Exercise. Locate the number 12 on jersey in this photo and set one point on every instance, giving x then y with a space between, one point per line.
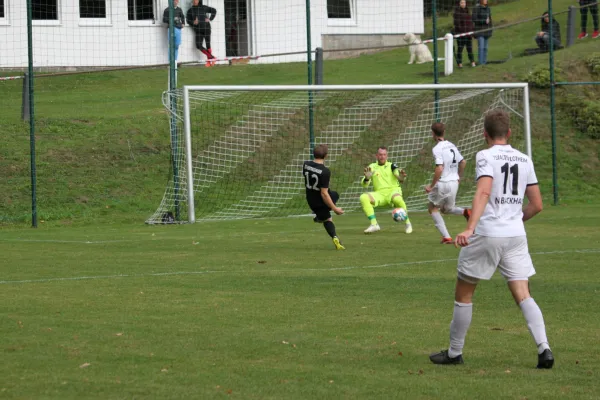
308 176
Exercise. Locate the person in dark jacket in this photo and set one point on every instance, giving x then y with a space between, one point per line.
198 18
592 6
482 19
543 37
178 22
463 24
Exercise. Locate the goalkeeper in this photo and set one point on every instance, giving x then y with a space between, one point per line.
386 177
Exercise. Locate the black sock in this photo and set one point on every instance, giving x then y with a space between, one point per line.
330 228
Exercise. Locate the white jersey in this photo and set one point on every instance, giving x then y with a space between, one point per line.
512 171
446 154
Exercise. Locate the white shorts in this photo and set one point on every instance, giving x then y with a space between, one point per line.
443 195
484 254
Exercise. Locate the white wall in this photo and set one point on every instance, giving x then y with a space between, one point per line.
277 26
282 28
72 41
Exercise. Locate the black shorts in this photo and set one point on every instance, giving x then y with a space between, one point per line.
320 209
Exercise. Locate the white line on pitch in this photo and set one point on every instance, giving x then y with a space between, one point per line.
78 278
82 278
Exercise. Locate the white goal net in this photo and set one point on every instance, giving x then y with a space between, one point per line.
237 152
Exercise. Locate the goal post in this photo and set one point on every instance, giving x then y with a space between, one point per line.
243 146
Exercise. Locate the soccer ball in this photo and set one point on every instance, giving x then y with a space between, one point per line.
399 214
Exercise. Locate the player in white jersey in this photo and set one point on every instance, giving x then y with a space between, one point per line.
495 238
449 167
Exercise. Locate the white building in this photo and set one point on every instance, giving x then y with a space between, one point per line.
104 33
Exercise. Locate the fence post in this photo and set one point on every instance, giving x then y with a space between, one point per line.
448 54
571 22
319 66
25 98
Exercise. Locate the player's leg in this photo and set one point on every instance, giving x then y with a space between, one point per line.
461 321
516 267
436 201
323 215
477 261
439 223
368 202
398 201
330 227
451 189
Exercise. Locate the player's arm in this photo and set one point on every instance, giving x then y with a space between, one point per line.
327 200
535 204
437 174
400 174
461 168
366 179
480 200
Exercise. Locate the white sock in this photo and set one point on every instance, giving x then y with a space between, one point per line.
439 224
535 323
461 320
456 211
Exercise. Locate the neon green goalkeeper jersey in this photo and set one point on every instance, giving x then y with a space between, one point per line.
384 176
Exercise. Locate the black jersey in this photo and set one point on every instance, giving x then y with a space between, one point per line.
316 177
200 12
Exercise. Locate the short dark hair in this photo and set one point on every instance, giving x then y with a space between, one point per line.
496 123
382 148
320 151
438 129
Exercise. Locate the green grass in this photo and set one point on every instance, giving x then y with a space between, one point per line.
276 312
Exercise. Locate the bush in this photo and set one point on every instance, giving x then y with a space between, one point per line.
593 63
585 114
540 77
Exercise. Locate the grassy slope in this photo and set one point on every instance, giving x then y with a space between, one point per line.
102 145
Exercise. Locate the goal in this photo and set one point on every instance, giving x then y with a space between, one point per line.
237 151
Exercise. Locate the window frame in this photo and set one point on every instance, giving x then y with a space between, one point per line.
156 16
352 21
5 20
106 21
50 22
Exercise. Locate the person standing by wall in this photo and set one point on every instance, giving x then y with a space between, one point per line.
199 18
178 21
482 19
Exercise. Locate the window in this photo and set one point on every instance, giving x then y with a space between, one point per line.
140 10
92 8
339 9
44 10
2 12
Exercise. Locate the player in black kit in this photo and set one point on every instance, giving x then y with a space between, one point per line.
320 198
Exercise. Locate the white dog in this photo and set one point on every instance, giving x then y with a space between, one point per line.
417 49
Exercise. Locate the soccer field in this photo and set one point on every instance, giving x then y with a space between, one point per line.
262 309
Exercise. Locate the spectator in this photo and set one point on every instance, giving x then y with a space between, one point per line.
178 21
592 6
482 20
197 18
463 24
543 39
